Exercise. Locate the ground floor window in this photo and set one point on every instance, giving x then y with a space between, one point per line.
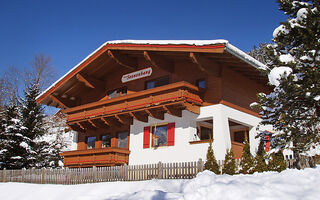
205 130
239 136
91 142
122 139
159 135
106 141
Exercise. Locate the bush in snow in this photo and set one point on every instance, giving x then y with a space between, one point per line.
247 161
293 108
260 164
211 162
229 165
276 162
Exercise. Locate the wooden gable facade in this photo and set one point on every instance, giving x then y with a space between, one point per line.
184 77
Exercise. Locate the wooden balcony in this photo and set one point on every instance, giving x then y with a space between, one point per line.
111 156
171 99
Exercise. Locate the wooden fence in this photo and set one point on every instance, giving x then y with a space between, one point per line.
71 176
185 170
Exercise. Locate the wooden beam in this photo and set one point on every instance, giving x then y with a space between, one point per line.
124 120
59 101
154 114
158 62
90 82
80 125
212 68
192 108
139 117
93 124
105 121
173 111
75 128
123 60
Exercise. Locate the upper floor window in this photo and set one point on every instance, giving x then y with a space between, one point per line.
122 139
117 92
201 83
157 82
106 141
91 142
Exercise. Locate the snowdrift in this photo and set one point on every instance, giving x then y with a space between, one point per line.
289 184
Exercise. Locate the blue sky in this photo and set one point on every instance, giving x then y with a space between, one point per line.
69 30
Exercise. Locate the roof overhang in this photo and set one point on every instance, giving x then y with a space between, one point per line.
199 46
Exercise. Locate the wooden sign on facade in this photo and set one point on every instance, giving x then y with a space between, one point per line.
136 75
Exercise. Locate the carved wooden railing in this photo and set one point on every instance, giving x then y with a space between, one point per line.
152 98
109 156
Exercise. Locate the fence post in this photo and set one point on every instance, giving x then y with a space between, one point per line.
22 174
4 175
94 171
125 172
159 170
200 165
42 175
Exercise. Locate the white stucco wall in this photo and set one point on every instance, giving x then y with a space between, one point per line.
182 151
185 131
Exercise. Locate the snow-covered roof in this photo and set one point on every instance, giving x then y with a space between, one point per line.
168 42
228 47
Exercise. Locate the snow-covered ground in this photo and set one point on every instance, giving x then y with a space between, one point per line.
289 184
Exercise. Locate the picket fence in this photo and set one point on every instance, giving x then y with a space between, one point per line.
71 176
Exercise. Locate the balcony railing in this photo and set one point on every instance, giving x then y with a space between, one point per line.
110 156
180 92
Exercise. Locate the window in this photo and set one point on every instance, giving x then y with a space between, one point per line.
157 82
117 92
205 130
122 139
91 142
106 141
201 83
205 133
239 136
159 135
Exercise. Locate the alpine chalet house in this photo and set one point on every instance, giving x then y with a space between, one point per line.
141 102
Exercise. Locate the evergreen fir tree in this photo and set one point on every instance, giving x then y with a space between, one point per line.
211 162
229 165
247 161
277 162
13 145
260 159
293 108
32 118
260 53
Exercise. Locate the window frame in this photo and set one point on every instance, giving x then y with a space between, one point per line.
246 132
152 135
155 79
94 143
198 133
102 140
117 136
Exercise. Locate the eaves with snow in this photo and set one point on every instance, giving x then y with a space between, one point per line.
107 55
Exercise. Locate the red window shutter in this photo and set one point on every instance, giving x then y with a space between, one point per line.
170 139
146 137
267 139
